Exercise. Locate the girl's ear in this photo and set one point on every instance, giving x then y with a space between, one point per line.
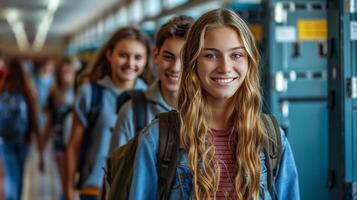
155 55
108 55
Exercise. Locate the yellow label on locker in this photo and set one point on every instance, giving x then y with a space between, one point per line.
312 29
257 31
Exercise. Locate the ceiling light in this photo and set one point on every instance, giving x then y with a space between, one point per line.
42 32
12 15
17 27
52 5
45 25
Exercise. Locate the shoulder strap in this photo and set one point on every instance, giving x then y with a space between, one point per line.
121 99
96 101
273 148
90 143
140 109
169 141
139 106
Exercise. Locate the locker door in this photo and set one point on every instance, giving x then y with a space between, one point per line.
343 99
298 93
351 102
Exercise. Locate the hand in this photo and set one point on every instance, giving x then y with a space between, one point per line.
70 194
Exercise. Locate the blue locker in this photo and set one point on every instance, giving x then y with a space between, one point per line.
297 62
342 87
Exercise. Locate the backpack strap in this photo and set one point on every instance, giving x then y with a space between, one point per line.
96 102
90 142
273 148
121 99
169 141
140 109
139 106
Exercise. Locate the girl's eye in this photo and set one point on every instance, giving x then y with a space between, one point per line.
236 56
138 57
123 55
168 57
210 56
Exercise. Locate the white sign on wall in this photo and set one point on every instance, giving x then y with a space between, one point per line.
354 30
285 34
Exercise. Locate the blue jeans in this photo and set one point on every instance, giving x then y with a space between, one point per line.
14 155
88 197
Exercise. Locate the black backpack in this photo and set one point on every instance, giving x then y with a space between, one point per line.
14 119
120 163
60 111
139 105
119 170
90 143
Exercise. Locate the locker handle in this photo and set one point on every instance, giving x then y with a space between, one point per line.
352 87
284 108
280 83
296 50
331 179
331 100
323 49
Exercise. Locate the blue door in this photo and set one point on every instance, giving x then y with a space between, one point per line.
297 62
342 87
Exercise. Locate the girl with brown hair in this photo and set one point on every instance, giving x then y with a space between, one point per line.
18 125
119 63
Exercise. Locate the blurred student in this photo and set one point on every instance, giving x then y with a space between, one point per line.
3 70
116 68
58 113
18 125
42 74
43 78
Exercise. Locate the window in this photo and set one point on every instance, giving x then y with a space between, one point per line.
169 4
110 24
197 11
100 28
165 19
136 11
82 39
148 26
122 16
152 7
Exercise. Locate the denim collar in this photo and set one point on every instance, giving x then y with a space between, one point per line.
154 94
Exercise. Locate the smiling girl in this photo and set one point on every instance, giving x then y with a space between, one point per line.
222 134
116 68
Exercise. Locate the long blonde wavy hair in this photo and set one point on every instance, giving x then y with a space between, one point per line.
248 132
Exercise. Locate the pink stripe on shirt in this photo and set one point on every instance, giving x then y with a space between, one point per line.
224 156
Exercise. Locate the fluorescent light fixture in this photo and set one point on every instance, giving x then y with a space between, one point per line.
45 25
52 5
12 15
42 32
17 27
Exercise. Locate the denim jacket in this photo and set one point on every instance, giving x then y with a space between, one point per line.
124 128
145 177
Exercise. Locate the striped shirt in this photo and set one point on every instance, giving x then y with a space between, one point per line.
224 156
